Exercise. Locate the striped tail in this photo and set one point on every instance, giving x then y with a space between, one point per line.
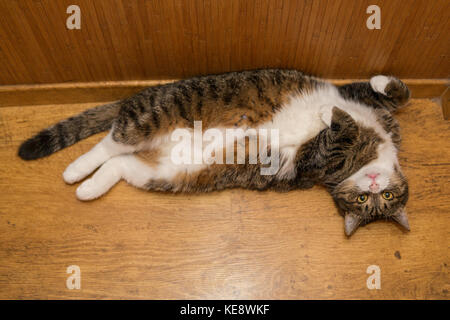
69 131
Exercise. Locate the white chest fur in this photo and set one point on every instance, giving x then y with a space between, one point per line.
301 119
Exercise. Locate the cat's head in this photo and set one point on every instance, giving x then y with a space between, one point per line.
370 185
372 195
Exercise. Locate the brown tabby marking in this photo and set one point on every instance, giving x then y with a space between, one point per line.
239 99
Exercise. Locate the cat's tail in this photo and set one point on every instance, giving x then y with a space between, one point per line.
69 131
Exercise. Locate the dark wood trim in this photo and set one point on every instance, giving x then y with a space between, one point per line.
81 92
445 100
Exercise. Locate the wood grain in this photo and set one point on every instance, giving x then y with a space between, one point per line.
56 93
235 244
171 39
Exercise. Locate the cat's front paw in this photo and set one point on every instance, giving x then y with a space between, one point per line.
326 113
379 83
392 88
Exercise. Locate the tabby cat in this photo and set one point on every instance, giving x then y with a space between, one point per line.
342 137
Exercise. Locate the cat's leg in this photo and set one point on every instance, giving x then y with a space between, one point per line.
130 131
380 92
393 91
99 154
127 167
379 83
392 88
131 169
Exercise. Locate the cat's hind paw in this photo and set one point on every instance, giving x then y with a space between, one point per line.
89 190
74 173
104 179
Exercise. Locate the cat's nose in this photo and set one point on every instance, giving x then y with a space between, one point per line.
372 176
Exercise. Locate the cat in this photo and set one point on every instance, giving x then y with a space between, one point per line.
342 137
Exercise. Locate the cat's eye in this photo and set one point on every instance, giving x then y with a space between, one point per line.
362 198
388 195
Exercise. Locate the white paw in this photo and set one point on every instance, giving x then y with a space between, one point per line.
88 190
379 83
74 173
326 112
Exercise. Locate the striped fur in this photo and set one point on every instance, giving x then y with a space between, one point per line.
69 131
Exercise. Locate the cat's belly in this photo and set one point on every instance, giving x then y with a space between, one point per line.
297 122
294 124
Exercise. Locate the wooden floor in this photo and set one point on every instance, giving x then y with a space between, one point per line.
234 244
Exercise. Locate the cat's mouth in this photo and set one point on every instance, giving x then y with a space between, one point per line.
372 179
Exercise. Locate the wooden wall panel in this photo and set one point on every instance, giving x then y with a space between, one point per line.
138 39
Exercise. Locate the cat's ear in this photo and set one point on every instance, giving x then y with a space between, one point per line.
401 218
351 223
343 127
